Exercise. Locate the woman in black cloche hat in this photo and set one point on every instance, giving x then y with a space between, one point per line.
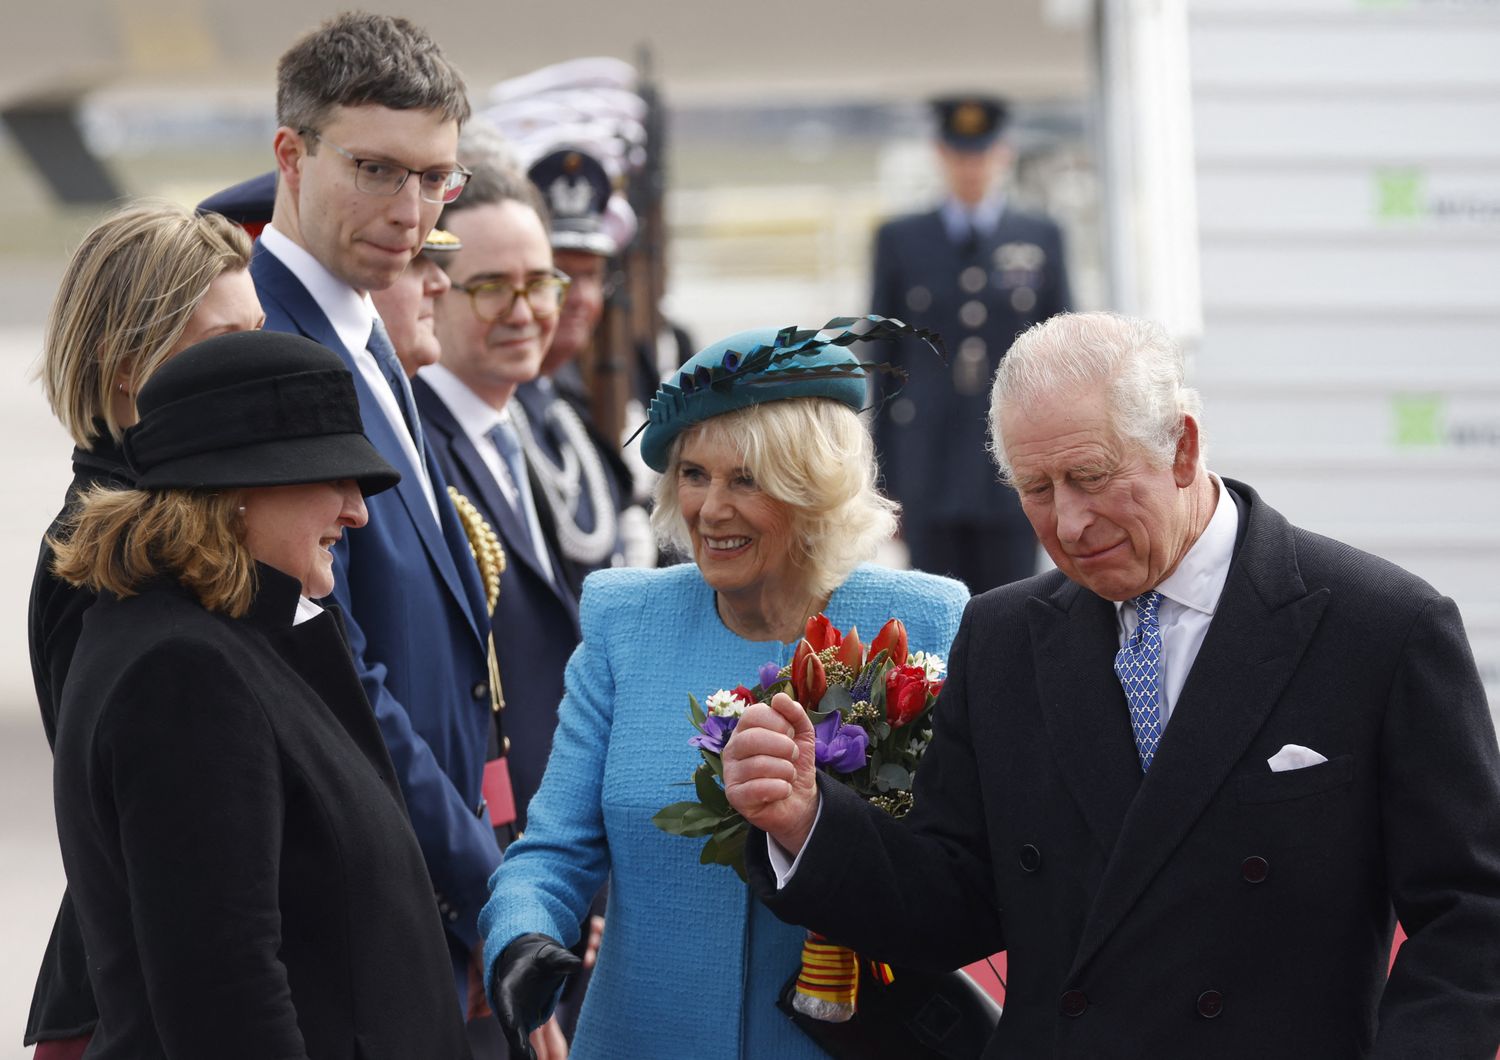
244 871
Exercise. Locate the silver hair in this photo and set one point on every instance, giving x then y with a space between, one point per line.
814 455
495 175
1140 366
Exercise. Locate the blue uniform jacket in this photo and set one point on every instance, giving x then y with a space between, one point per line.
932 436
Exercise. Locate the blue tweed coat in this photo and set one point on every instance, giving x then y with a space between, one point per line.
691 964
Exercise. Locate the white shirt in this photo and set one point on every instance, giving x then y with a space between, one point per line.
477 418
306 609
353 316
1189 599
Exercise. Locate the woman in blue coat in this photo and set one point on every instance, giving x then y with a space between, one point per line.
768 479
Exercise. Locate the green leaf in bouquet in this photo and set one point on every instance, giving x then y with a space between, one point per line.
709 793
696 712
894 776
687 819
877 691
837 698
727 847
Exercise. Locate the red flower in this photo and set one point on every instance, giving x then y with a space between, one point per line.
935 687
905 694
743 694
799 656
892 638
851 653
822 633
809 679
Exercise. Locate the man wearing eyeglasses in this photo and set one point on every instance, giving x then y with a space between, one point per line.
369 112
494 326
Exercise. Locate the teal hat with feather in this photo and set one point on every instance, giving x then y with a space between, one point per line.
770 364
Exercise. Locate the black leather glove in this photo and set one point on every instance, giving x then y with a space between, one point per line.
527 976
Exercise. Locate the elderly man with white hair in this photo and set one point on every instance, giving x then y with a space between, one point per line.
1190 779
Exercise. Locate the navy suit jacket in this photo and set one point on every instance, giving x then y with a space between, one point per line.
535 623
417 625
931 437
1212 907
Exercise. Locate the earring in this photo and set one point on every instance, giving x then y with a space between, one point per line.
120 386
241 509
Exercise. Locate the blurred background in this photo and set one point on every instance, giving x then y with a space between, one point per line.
1306 191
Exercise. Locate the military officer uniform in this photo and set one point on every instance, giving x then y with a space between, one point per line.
978 276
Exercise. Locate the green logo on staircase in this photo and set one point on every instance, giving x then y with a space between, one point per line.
1398 194
1419 419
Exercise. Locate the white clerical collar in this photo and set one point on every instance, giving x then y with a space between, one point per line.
306 609
475 415
351 312
1199 579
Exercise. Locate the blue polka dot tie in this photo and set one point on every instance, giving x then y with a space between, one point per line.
1138 665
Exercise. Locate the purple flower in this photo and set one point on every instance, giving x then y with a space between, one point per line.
715 734
769 672
842 748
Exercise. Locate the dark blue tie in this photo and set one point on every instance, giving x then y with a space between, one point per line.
1138 665
390 366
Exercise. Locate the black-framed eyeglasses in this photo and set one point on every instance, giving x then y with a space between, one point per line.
376 176
493 299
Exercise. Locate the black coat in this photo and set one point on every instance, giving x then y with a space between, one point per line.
62 1005
238 851
1213 908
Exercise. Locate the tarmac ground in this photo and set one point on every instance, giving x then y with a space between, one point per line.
31 874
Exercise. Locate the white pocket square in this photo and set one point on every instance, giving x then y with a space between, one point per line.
1294 756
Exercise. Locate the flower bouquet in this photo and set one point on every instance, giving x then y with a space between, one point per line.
871 708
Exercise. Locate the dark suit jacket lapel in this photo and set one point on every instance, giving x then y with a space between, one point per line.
274 278
478 478
1075 635
1263 623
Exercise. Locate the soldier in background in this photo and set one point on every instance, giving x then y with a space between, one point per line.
978 272
408 307
585 484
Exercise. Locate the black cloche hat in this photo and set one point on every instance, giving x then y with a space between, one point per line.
253 408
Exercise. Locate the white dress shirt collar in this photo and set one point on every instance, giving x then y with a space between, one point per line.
1199 579
351 312
476 416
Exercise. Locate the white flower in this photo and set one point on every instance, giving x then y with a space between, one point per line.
929 661
725 704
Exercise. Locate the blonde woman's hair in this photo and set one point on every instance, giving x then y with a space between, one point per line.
120 539
812 454
123 303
